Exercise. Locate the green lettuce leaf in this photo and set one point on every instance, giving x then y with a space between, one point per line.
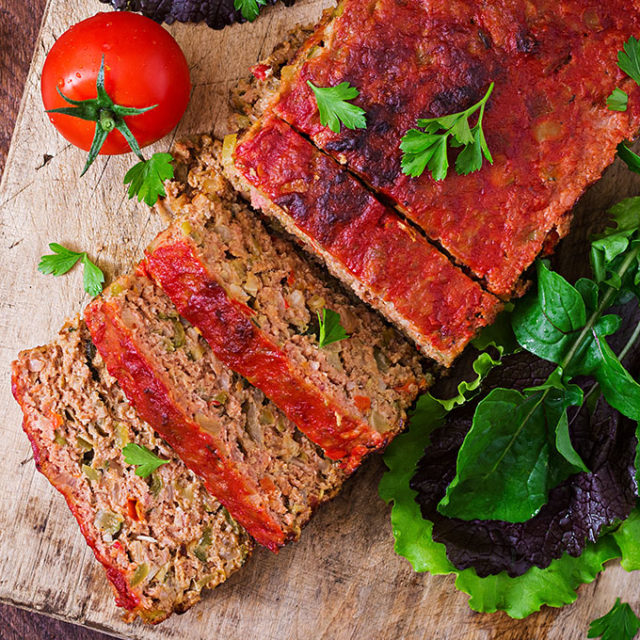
554 586
413 534
401 457
627 537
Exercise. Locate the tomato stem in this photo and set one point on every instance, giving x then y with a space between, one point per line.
107 121
106 114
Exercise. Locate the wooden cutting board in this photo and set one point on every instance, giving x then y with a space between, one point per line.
342 580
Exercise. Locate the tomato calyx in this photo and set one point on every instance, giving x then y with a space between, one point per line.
106 114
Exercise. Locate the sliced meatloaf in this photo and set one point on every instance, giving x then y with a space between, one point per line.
256 300
547 123
161 539
250 456
364 243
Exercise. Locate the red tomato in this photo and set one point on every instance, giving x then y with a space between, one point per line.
144 66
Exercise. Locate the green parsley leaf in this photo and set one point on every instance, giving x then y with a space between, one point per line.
631 159
427 149
330 328
63 259
141 457
334 108
621 623
60 262
629 59
249 8
93 278
618 100
145 179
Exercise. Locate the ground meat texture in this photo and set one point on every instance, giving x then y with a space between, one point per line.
389 264
250 96
547 124
161 539
265 472
256 300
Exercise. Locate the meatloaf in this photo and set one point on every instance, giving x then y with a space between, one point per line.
257 302
250 456
547 123
364 243
161 539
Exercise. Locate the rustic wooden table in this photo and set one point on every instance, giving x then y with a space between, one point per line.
19 25
342 580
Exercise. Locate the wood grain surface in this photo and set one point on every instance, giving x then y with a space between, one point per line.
19 26
342 580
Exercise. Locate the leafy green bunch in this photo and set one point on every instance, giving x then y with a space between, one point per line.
518 447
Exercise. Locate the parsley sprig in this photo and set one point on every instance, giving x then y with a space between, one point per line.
250 9
629 62
63 260
629 59
620 623
334 108
618 100
428 149
145 460
330 328
145 179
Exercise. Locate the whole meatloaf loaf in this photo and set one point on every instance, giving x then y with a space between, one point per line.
250 456
161 539
547 125
257 301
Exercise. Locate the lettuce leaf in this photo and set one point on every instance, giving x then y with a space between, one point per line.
554 586
402 456
519 597
627 537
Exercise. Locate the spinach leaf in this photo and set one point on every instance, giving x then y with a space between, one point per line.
546 321
513 436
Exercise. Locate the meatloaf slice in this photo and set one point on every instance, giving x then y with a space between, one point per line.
547 123
250 456
161 539
364 243
256 300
